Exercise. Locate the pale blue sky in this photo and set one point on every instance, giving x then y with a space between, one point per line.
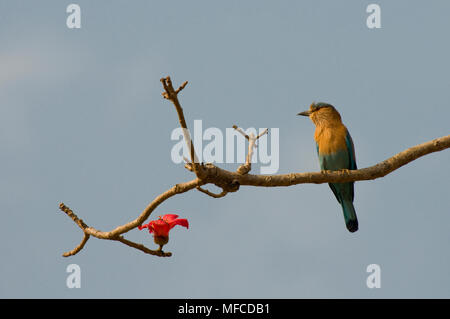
82 121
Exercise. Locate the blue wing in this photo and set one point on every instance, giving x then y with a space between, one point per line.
351 151
352 160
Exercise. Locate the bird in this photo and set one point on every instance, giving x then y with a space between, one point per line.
336 151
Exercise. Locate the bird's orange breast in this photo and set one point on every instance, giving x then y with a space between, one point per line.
330 139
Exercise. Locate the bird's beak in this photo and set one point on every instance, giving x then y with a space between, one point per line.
305 113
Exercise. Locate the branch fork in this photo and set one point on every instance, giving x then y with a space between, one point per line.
245 168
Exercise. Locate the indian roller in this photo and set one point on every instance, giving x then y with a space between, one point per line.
336 152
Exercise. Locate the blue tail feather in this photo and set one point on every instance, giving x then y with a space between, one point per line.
350 218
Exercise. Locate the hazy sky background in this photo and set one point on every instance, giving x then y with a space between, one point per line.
82 121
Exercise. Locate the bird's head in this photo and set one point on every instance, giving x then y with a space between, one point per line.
321 113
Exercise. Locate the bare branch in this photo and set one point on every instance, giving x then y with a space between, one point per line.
373 172
262 133
207 192
73 216
80 224
78 248
241 131
172 95
188 165
245 168
141 247
181 87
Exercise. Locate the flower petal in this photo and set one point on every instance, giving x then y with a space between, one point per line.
141 227
168 218
160 227
151 228
180 221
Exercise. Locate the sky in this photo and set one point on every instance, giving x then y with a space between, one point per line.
82 121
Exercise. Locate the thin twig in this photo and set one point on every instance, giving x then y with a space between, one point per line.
245 168
141 247
78 248
241 131
172 95
207 192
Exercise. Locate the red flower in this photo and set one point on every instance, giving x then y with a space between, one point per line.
162 226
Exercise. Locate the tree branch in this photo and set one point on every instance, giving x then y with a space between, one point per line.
214 195
231 181
245 168
172 95
141 247
78 248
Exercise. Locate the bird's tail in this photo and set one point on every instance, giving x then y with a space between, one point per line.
350 215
